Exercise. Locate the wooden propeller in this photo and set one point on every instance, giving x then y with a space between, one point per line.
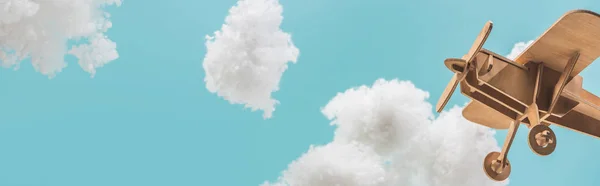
460 67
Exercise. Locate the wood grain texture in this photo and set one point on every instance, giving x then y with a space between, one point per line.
482 114
577 30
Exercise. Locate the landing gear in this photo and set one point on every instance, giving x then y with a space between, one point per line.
494 168
496 165
542 140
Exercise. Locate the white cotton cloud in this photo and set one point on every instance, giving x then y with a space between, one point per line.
245 60
518 49
382 116
343 164
410 146
40 30
449 152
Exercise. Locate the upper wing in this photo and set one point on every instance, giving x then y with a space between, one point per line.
479 113
577 30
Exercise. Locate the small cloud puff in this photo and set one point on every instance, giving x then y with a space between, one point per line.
245 60
518 49
41 29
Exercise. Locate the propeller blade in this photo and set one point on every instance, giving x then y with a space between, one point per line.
447 93
481 38
456 65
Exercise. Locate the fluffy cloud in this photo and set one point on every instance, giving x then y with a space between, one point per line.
387 135
518 49
40 30
382 116
245 60
347 164
449 152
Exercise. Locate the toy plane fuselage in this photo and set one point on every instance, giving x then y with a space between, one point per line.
504 93
542 86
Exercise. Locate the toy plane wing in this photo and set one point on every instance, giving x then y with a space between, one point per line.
576 31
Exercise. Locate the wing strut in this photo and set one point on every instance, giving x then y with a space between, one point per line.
562 81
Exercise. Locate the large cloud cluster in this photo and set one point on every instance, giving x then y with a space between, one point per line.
387 135
40 30
245 60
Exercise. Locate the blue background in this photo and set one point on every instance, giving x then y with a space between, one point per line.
147 118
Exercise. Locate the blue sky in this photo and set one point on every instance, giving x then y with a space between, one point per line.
147 118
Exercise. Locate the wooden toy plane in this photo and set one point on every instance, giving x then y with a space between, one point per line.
540 87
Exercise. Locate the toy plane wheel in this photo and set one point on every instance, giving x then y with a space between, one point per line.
491 167
542 140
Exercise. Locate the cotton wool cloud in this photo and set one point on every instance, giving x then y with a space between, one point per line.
247 57
347 164
387 135
518 49
40 31
383 116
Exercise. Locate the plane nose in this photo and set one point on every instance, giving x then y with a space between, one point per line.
455 65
